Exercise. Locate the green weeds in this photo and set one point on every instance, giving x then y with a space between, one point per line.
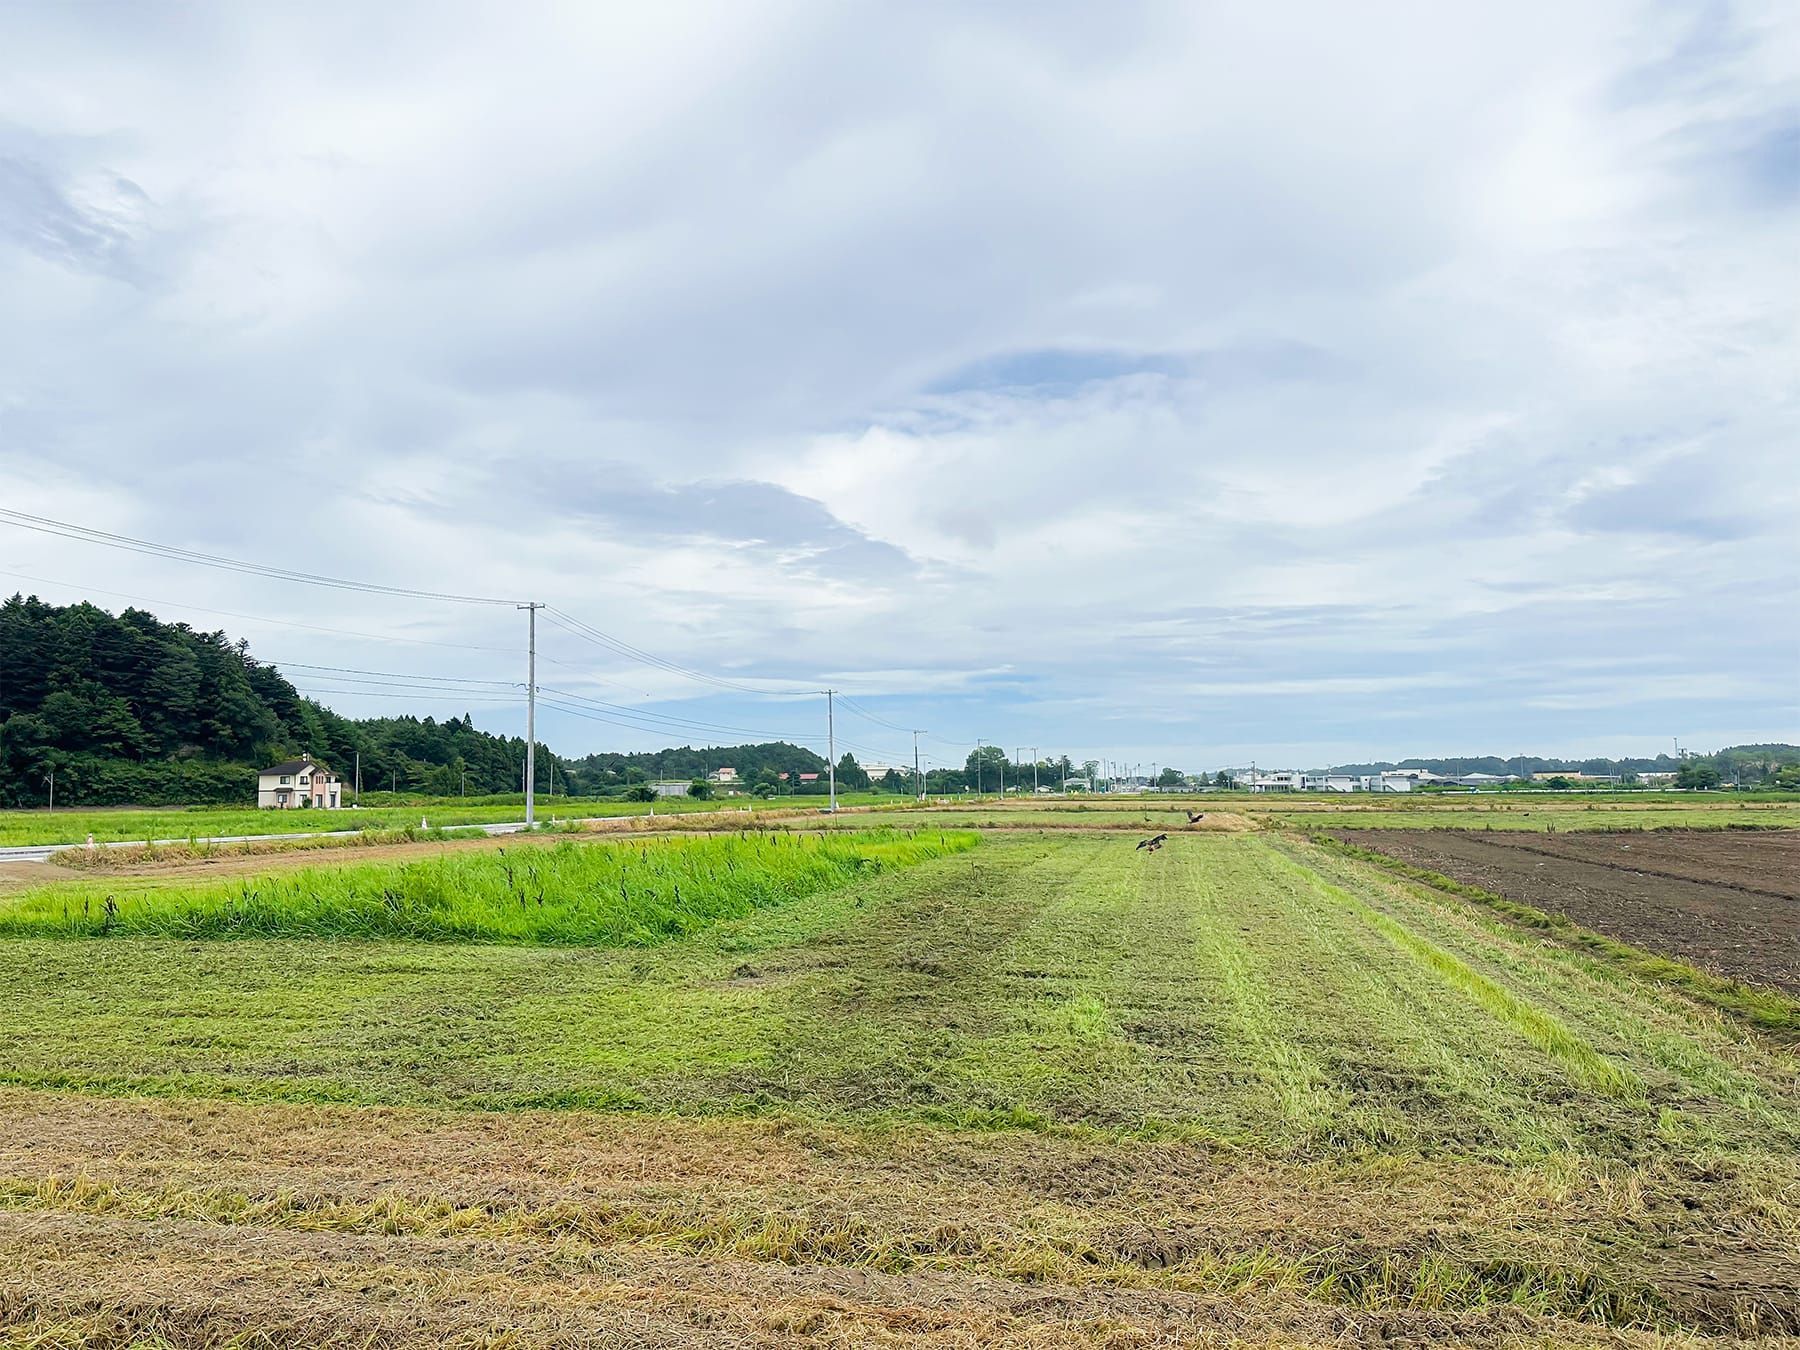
602 894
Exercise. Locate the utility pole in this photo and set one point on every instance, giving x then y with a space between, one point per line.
978 766
918 778
531 608
53 787
831 746
356 792
1034 770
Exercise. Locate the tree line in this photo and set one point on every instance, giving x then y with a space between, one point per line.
129 710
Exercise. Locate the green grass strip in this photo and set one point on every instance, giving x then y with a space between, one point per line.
1765 1008
1537 1026
615 893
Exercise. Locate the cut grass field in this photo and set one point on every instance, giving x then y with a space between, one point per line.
1048 1090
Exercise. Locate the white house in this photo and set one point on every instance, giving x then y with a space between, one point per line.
297 783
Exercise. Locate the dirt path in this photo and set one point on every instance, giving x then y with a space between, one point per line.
1722 900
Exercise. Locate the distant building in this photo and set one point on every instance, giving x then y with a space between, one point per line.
723 774
1283 780
669 789
297 783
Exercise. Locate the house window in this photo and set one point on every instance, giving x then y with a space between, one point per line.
304 780
284 780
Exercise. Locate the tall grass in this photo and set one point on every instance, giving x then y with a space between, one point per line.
610 894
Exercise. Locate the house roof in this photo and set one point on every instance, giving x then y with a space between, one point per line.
292 766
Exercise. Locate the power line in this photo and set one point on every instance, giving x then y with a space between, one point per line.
551 701
388 691
253 618
861 711
357 684
394 674
87 534
569 623
561 618
666 717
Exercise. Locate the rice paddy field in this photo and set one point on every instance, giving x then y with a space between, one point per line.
1423 811
944 1084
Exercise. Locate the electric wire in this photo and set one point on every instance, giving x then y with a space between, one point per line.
569 623
665 717
861 711
395 681
87 534
254 618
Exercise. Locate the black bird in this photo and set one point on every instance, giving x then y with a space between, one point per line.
1152 844
1195 817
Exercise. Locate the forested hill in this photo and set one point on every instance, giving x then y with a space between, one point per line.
127 709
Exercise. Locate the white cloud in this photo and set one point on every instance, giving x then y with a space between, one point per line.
1085 371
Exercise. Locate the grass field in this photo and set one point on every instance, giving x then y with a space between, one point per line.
1048 1090
1544 812
73 826
572 893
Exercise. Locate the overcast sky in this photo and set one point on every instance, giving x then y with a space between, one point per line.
1182 383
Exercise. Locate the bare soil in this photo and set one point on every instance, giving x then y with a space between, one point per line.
1725 900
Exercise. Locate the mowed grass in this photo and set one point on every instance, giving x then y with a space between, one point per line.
611 893
1246 990
1243 1068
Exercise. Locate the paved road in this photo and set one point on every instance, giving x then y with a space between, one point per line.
42 852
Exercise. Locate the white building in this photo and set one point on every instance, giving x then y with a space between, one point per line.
297 783
1280 780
